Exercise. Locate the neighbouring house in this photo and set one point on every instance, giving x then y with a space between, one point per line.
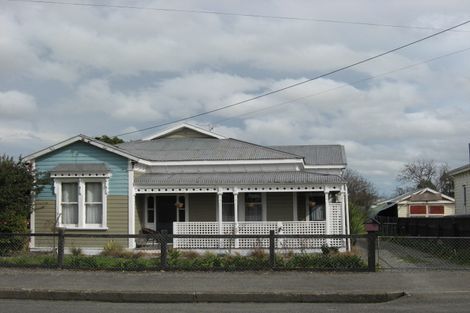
461 177
424 202
187 180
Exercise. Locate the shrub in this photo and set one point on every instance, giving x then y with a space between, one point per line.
76 251
258 254
322 261
329 250
190 254
16 185
357 218
173 255
113 248
12 222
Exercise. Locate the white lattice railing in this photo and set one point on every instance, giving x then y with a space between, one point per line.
255 228
336 223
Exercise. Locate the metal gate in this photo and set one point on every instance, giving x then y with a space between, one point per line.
423 253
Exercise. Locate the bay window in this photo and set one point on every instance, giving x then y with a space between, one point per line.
81 203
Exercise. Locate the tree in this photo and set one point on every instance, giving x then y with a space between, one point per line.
361 195
17 184
111 140
362 192
422 173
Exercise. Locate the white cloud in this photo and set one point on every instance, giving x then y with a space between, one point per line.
16 105
99 70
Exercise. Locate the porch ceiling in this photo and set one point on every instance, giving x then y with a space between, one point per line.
230 179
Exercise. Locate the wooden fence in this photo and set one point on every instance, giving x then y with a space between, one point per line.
449 226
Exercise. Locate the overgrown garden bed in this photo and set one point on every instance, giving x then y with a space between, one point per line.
192 261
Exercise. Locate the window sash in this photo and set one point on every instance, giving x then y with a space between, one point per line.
253 207
228 214
436 209
228 207
93 203
69 203
316 207
70 213
317 213
417 210
81 202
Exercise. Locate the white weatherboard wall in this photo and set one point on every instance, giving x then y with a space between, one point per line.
403 209
461 180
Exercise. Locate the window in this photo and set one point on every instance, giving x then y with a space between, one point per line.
181 208
436 209
69 203
464 196
151 210
417 210
228 207
93 203
316 208
82 203
253 207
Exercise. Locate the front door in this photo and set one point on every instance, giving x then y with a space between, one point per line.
166 213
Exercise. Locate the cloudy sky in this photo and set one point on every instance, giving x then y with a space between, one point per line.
68 69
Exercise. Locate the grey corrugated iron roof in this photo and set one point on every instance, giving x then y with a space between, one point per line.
201 149
317 154
80 168
218 179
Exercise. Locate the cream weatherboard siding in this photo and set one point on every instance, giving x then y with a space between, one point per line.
279 206
403 210
202 207
117 217
117 220
461 180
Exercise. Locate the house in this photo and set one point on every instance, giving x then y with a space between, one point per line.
424 202
187 180
461 177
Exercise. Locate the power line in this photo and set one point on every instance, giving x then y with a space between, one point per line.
341 86
299 83
224 13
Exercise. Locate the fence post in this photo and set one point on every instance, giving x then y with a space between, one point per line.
372 243
60 247
272 259
163 250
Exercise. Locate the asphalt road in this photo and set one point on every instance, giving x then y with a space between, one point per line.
430 303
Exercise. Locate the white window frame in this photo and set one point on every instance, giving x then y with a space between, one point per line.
232 203
154 196
241 200
146 223
307 207
82 225
418 215
185 209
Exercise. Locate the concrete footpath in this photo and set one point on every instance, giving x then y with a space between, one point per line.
173 287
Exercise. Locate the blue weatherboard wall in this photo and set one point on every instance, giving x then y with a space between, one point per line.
80 152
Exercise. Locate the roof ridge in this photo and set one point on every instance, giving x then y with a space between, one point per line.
313 145
266 148
83 138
